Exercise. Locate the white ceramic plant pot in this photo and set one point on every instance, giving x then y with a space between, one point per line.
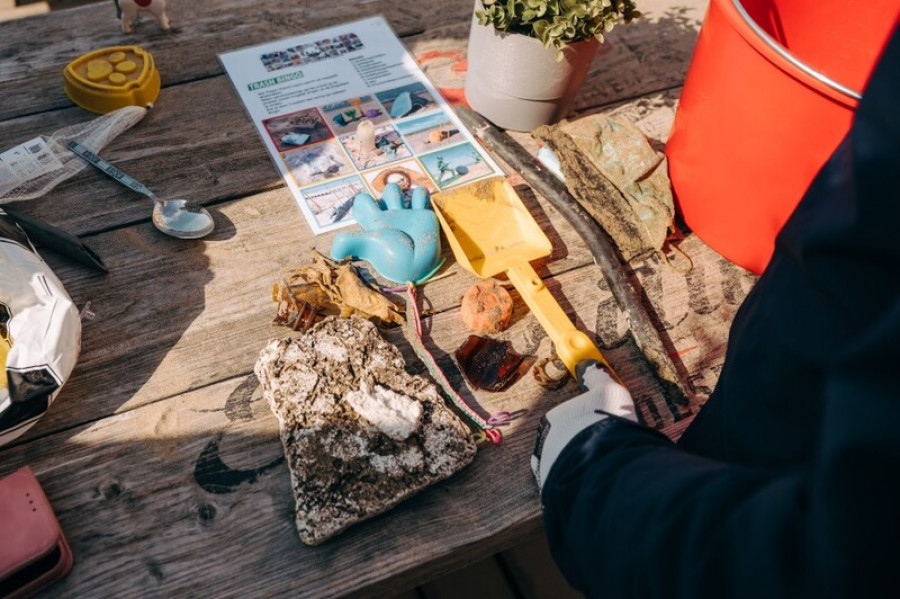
516 83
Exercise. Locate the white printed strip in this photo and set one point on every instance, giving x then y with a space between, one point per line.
8 178
27 161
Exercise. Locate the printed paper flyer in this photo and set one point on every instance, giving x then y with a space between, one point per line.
345 110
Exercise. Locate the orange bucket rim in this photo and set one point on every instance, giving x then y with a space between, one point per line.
781 58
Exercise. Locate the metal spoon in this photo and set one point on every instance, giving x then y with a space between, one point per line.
179 218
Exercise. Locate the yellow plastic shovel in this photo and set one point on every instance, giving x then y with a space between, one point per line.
491 232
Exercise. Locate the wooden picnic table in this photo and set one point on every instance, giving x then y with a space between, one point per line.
160 457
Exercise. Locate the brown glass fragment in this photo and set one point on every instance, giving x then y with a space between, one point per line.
490 364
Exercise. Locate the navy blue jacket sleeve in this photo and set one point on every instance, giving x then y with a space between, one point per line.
630 514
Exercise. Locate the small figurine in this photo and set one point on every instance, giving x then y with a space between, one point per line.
127 10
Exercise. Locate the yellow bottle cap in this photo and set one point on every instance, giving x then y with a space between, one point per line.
111 78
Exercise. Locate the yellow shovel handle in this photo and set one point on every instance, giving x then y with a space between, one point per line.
572 345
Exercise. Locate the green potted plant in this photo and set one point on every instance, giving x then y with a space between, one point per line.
527 58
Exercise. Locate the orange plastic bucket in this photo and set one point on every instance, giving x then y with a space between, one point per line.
769 94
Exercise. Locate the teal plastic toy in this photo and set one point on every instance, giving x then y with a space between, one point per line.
402 244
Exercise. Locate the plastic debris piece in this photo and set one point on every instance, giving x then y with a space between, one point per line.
365 136
96 83
128 10
550 161
58 163
490 364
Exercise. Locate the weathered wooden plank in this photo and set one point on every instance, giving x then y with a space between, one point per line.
195 321
201 159
33 52
481 579
197 142
180 428
163 380
9 12
194 159
167 307
264 234
128 495
649 55
143 498
134 334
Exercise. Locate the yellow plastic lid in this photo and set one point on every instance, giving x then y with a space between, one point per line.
111 78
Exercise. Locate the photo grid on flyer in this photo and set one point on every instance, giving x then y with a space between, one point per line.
354 136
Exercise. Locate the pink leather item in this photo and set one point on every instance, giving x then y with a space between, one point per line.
33 551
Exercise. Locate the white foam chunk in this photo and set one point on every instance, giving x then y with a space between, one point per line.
394 414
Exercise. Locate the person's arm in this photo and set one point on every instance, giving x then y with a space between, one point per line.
629 514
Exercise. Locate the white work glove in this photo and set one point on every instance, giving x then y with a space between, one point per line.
603 397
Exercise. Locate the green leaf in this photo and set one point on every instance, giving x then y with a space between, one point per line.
540 31
557 22
538 6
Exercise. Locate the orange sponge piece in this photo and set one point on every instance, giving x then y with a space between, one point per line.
487 307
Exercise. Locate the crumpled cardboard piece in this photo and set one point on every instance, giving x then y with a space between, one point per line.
332 289
617 176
